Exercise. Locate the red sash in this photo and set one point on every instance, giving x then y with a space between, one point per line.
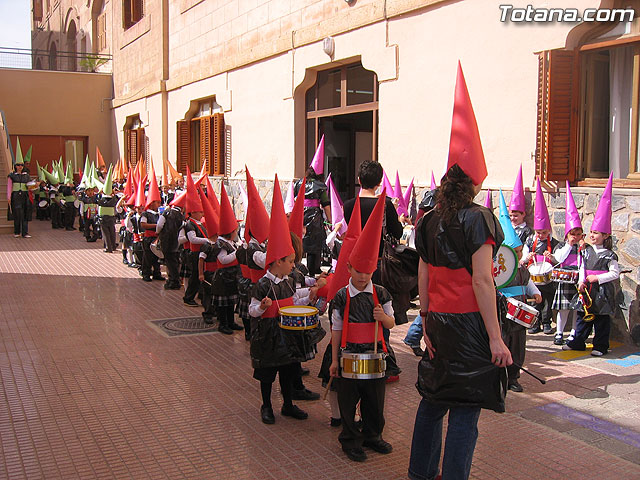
210 266
274 310
540 258
256 275
150 234
360 332
225 265
246 272
196 247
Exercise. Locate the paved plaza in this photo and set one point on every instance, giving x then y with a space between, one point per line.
91 388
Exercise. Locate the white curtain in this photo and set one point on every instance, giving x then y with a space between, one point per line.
620 90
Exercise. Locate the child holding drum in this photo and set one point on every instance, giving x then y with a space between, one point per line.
538 258
360 310
269 352
568 254
599 269
514 333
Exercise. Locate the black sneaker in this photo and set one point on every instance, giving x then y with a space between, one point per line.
158 277
557 340
535 329
208 320
417 351
355 454
378 445
146 279
224 329
235 326
304 371
514 386
305 394
125 261
294 412
336 422
190 303
547 330
266 413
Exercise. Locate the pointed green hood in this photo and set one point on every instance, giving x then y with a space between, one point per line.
52 178
27 157
41 177
59 170
19 159
107 189
68 174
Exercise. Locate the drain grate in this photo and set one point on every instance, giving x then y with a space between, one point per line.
175 327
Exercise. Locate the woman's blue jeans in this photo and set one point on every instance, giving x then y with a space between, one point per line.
414 334
462 433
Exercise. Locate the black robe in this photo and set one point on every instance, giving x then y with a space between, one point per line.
315 236
461 372
603 296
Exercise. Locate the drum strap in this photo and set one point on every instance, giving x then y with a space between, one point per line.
533 249
345 321
513 291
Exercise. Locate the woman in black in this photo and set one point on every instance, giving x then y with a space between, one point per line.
20 202
316 203
462 370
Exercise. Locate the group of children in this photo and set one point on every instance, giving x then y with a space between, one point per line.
573 278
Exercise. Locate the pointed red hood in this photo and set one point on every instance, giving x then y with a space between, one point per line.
228 222
364 257
257 219
341 276
211 219
193 203
279 245
465 148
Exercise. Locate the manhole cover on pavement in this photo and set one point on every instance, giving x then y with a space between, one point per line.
174 327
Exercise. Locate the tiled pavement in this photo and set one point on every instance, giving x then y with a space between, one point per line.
91 390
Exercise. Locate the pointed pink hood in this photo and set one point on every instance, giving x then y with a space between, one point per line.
517 197
571 217
318 159
541 219
602 220
488 201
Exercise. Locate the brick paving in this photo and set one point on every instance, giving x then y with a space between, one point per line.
91 390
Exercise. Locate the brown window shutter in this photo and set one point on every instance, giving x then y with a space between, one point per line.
131 139
557 122
126 14
37 10
205 142
184 148
142 145
217 133
136 10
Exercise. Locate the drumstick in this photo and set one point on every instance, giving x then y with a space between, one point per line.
327 388
529 373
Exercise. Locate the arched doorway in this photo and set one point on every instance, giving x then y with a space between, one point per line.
342 105
71 46
53 56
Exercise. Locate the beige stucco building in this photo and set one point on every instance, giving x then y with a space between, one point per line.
257 82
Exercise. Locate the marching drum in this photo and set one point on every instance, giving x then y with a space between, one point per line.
363 366
505 266
564 275
43 203
76 203
299 317
521 313
541 273
155 249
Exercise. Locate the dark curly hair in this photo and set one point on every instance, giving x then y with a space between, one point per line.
456 192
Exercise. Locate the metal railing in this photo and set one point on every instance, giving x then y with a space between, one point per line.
39 59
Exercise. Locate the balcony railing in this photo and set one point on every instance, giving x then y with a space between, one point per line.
37 59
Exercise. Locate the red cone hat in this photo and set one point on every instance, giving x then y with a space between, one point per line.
211 195
364 257
141 201
279 245
341 276
228 221
296 218
257 219
210 216
193 203
465 148
180 200
154 192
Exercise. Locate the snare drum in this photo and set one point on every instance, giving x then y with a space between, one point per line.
43 203
155 249
541 273
564 275
521 313
299 317
363 366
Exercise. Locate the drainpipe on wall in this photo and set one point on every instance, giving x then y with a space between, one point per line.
164 95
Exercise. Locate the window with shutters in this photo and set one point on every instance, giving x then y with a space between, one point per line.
102 32
135 141
132 12
588 121
201 140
